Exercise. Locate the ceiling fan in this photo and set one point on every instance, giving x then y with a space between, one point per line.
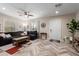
24 13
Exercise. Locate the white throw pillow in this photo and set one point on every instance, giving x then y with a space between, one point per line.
25 33
7 35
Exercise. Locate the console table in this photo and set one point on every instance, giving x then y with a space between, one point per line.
21 40
43 35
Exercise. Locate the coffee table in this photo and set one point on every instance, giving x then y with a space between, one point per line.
21 40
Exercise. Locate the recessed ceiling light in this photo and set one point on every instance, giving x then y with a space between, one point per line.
57 12
3 8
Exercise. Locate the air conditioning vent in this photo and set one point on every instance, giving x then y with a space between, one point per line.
58 5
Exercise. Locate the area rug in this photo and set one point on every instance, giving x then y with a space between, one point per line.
13 50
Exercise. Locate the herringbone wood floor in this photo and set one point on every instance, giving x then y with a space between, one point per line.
47 48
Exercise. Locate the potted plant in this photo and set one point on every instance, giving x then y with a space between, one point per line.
73 26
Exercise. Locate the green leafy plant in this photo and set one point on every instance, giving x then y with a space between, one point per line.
73 26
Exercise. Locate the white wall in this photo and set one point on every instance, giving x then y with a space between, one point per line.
2 24
77 18
45 29
8 21
38 22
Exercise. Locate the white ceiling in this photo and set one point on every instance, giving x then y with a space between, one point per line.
38 9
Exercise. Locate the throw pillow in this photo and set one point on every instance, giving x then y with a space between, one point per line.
7 35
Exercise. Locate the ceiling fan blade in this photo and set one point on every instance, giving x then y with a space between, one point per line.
20 13
30 15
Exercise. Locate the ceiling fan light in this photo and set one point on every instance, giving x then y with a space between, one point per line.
25 15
